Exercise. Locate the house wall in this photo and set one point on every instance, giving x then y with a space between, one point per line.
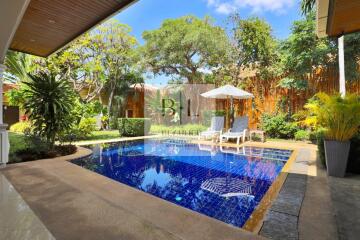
11 113
135 104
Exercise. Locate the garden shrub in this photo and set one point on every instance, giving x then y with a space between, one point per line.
113 123
191 129
302 135
84 129
278 126
132 127
87 125
20 127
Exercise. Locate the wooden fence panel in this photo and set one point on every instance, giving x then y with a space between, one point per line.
268 101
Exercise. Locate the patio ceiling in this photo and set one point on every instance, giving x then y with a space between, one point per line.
47 26
337 17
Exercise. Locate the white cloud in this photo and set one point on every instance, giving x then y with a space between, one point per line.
225 8
255 6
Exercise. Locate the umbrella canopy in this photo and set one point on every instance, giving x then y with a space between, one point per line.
227 91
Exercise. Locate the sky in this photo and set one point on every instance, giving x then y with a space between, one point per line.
149 14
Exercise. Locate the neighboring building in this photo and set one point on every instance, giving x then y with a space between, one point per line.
11 113
136 99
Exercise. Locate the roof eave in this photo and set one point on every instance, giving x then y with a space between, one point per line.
322 7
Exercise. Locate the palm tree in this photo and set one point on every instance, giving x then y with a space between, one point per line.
307 6
48 103
17 66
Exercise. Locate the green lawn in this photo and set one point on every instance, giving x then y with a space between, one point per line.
180 129
103 135
17 142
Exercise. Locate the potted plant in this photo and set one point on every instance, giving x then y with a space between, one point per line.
340 118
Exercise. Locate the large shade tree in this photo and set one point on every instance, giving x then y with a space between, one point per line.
118 58
185 48
254 47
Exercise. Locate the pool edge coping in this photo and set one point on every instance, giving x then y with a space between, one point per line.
256 219
252 224
262 208
83 152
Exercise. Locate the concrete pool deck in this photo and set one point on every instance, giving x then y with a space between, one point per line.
74 203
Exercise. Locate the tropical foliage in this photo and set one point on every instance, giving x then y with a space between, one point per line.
48 103
133 127
278 125
256 46
302 52
340 117
17 66
307 6
103 64
21 127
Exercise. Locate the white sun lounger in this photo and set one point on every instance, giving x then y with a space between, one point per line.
217 125
239 131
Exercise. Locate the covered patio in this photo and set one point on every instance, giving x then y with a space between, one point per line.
65 201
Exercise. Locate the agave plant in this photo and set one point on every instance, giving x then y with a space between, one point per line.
48 103
340 117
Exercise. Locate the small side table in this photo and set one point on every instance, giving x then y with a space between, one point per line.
259 132
215 138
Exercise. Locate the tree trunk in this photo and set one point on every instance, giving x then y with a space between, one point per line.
111 96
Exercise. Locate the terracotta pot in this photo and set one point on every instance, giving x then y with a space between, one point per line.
336 154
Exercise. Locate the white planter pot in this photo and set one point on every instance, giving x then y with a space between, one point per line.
336 155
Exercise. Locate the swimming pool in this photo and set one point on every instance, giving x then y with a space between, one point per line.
222 183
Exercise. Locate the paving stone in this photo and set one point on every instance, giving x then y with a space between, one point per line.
291 195
280 226
345 195
288 203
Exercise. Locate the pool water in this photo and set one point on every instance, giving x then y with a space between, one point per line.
222 183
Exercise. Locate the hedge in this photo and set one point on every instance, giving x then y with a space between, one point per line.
187 129
132 127
20 127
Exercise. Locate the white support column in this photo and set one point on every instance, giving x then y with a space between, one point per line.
342 86
2 69
11 14
4 139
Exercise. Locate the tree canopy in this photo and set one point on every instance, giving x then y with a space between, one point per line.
104 60
302 52
255 47
109 59
185 47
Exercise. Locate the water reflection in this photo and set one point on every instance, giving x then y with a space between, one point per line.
215 182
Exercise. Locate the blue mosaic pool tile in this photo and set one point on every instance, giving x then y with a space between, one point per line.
226 184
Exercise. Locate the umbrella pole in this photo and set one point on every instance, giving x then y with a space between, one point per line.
227 114
232 110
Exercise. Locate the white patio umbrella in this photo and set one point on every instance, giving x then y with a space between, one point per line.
226 92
